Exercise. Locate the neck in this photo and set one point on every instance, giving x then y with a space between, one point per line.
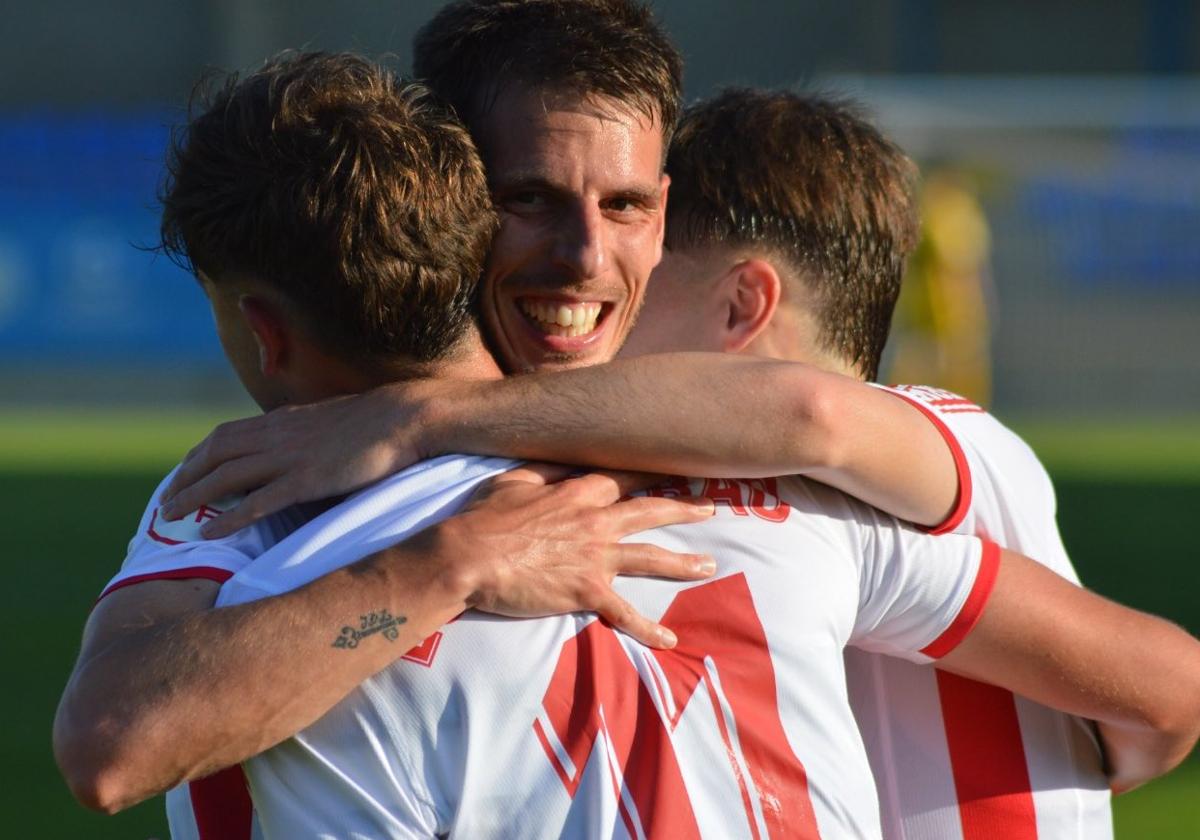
315 376
467 360
792 337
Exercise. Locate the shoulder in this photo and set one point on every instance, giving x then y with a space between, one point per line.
175 550
986 440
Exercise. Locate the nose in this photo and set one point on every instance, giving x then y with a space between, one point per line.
580 244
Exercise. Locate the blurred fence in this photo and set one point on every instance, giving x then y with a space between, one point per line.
1091 188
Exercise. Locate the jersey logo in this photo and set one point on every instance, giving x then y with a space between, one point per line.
598 699
187 528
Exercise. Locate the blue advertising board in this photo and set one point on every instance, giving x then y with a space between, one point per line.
79 283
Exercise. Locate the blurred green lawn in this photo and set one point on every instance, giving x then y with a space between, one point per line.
72 486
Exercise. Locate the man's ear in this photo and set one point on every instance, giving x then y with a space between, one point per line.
753 289
270 333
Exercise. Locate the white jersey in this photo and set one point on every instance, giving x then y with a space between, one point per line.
162 550
216 807
553 727
956 759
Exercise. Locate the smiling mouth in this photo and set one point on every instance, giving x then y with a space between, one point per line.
562 319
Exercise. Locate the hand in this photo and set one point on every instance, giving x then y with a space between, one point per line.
299 454
540 546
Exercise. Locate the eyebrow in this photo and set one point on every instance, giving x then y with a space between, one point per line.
521 180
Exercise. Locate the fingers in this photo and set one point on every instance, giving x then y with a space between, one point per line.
229 478
647 512
263 502
620 614
647 560
536 472
627 481
226 442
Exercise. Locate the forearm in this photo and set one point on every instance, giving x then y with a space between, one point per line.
1136 675
716 415
184 697
689 413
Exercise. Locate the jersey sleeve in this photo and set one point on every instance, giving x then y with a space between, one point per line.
163 550
930 401
921 595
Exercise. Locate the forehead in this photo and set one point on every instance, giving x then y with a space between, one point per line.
532 133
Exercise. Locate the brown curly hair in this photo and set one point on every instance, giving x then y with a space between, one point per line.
356 195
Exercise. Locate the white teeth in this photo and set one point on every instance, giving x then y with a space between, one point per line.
563 320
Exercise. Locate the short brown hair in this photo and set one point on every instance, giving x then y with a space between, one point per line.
807 178
354 194
471 49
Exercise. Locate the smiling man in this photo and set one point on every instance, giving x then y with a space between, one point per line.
574 142
337 219
757 267
581 195
561 727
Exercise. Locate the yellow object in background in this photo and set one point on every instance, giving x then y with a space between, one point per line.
941 331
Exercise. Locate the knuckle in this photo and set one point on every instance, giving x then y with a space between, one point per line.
623 614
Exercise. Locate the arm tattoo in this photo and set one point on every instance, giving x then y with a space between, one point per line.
370 624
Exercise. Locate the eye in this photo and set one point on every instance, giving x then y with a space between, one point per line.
527 199
626 205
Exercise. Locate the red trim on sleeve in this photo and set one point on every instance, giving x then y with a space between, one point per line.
221 805
961 466
972 609
188 573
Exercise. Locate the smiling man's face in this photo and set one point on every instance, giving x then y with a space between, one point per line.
582 198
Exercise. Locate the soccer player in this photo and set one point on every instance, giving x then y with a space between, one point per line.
370 222
530 203
557 726
754 264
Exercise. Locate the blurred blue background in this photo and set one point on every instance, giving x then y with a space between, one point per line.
1075 126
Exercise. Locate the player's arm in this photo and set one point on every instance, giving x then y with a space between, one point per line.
686 413
170 688
1136 675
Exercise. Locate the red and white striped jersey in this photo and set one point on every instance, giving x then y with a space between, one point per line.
956 759
562 727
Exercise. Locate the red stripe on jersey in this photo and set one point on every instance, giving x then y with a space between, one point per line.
961 466
972 609
221 805
987 760
187 573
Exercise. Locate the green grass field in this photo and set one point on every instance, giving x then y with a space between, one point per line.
72 487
